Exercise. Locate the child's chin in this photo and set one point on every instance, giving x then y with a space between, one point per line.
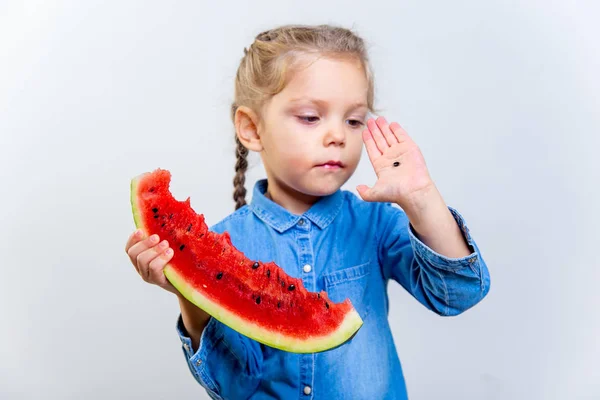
323 187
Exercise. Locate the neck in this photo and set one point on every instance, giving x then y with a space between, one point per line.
292 200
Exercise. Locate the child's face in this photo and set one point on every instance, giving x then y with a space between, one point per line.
317 118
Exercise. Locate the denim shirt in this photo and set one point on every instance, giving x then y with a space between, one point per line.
351 249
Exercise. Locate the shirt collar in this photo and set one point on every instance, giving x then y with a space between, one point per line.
322 213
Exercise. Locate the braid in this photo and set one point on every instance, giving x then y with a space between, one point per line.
241 164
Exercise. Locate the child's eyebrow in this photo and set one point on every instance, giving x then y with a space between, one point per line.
323 103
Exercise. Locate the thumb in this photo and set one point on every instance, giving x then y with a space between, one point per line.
365 192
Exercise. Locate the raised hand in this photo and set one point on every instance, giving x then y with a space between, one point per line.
400 167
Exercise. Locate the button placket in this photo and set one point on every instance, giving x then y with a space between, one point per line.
306 262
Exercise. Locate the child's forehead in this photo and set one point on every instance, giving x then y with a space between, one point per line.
325 78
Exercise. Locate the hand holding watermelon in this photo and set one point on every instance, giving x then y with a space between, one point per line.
149 256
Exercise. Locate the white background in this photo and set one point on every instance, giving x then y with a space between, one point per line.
501 96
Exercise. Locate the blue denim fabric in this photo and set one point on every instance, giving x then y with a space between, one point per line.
353 249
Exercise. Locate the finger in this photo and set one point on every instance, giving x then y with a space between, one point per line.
147 256
370 145
157 266
385 130
143 245
399 132
135 237
377 135
365 192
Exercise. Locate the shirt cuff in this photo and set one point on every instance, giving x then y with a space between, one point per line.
440 260
197 361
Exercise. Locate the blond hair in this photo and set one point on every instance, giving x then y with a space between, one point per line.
266 67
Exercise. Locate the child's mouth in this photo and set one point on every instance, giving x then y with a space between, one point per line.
332 165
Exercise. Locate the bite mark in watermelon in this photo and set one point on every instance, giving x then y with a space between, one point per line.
257 299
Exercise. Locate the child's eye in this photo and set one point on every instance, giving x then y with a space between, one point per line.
308 118
355 123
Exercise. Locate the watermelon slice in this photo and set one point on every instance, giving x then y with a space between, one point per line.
258 300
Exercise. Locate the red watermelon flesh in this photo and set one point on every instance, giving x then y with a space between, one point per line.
254 298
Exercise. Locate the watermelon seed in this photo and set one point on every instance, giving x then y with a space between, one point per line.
219 275
278 304
189 228
155 210
155 215
268 273
163 225
291 287
170 216
258 300
181 247
318 295
202 234
152 189
282 284
255 265
327 304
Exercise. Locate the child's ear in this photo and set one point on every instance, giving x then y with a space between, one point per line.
246 128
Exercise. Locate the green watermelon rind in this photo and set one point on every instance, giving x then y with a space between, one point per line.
351 323
134 207
347 329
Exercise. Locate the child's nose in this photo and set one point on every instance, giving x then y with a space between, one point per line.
335 135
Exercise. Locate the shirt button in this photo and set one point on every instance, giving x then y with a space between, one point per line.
198 362
307 268
187 348
307 390
301 222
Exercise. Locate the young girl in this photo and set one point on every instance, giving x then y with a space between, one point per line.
302 97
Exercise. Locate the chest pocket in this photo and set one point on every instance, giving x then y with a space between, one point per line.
352 283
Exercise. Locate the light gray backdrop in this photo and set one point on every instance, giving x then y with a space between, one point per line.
502 97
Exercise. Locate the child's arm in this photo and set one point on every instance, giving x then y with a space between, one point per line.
194 320
445 285
444 270
224 362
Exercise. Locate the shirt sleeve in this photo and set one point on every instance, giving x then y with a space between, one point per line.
226 363
447 286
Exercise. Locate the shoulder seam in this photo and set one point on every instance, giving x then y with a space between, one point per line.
241 212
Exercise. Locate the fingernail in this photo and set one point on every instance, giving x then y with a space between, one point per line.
169 252
163 244
138 233
154 238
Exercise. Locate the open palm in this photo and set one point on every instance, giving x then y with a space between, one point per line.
398 162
